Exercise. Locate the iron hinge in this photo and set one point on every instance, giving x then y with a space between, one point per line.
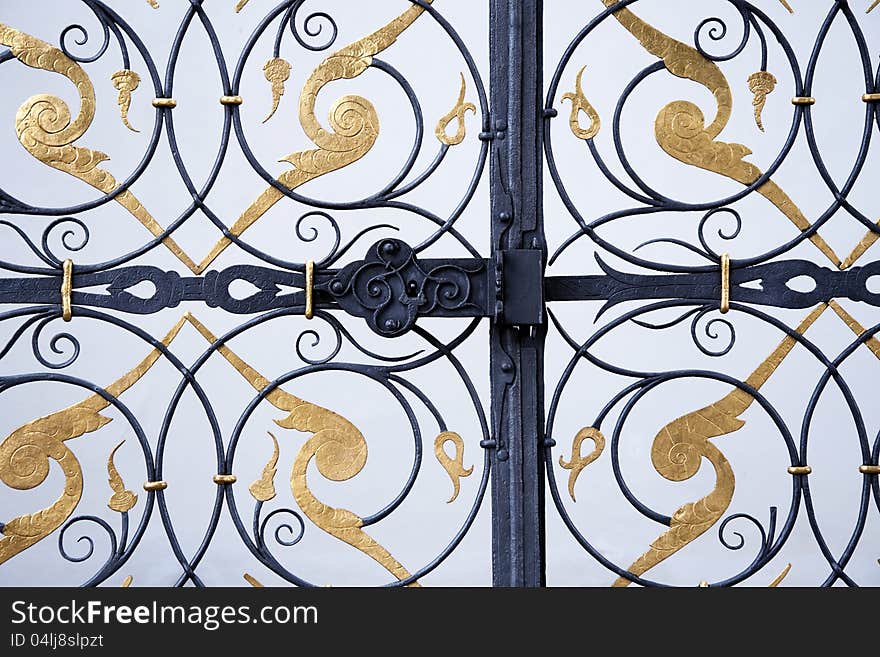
519 287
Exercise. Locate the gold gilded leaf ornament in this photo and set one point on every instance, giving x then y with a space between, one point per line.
354 124
681 129
122 500
277 72
47 130
25 455
761 84
125 82
458 113
263 489
679 448
454 466
338 449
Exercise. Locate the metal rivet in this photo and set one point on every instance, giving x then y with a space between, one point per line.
505 217
502 454
392 325
412 288
506 367
390 247
336 287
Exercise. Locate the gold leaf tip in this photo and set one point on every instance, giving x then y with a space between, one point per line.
240 5
872 7
154 4
122 500
126 583
788 6
263 489
781 576
253 581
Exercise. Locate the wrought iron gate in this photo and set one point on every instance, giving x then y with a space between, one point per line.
396 286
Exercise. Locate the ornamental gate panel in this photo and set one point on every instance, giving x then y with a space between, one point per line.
621 245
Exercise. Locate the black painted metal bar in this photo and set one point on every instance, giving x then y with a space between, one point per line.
517 350
409 287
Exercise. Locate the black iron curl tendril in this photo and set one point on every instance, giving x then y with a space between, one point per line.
320 18
341 332
717 32
712 334
53 345
88 539
297 536
83 40
722 529
316 341
65 238
701 230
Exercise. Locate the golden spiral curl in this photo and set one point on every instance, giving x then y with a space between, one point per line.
28 465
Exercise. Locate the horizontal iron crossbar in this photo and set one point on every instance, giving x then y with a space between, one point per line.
391 288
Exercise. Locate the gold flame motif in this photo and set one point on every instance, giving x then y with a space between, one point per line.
459 112
454 466
579 103
578 462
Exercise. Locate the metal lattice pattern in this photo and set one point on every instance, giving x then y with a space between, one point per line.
390 288
719 290
397 285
